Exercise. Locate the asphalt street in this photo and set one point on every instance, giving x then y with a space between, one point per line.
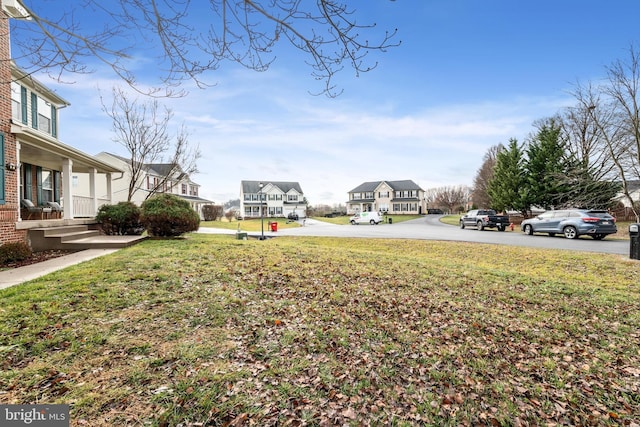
430 228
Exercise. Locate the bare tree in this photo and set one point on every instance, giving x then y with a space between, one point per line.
248 32
483 177
430 195
449 198
580 134
231 214
212 212
613 110
142 128
624 91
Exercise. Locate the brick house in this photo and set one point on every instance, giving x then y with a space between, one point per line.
34 164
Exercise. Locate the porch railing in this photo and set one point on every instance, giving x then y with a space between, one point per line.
83 206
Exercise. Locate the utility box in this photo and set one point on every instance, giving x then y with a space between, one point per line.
240 235
634 239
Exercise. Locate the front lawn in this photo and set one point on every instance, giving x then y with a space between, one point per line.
254 224
210 330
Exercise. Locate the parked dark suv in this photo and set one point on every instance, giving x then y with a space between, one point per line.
573 223
293 216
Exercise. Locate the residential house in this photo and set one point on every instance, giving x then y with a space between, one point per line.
34 163
633 187
624 209
277 198
393 197
156 178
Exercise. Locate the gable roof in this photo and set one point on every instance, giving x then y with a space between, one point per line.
164 169
23 78
366 187
403 185
285 186
160 169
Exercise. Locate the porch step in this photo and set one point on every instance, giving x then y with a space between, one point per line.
63 229
77 237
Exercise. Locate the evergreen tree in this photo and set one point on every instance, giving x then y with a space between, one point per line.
507 189
545 168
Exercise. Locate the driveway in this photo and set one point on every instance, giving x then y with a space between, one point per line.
430 228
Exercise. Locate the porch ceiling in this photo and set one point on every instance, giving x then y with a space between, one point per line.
38 149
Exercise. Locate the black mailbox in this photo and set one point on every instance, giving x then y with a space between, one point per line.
634 238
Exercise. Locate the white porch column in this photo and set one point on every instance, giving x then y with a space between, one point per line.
19 172
67 192
92 190
109 189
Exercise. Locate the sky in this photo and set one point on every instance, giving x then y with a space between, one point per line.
467 75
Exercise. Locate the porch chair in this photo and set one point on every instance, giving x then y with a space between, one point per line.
56 209
29 210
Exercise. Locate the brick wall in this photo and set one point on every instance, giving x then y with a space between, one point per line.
8 211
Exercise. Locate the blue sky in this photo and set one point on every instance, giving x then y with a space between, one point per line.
468 75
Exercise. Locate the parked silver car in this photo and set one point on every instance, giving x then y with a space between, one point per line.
573 223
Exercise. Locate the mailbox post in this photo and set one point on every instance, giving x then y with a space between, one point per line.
634 239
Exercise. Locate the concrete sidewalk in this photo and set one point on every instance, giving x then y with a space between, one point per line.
19 275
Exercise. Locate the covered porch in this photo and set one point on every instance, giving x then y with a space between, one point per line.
47 168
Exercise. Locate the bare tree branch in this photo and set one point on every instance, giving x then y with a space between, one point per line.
190 39
449 198
484 175
143 129
614 112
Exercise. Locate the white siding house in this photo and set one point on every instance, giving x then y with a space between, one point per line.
157 177
279 199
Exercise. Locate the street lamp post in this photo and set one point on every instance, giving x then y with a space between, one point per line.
261 185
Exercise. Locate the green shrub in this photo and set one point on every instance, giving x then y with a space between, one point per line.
15 251
120 219
168 215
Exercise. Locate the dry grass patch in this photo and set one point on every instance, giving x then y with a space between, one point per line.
214 331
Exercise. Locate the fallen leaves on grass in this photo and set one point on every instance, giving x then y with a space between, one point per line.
328 332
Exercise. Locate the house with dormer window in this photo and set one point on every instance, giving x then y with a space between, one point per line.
277 199
392 197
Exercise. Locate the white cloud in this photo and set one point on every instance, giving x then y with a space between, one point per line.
269 132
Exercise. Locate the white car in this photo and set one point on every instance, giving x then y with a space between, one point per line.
365 217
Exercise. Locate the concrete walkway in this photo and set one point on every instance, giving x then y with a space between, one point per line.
19 275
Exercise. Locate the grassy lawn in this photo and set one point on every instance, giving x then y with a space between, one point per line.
210 330
451 219
250 224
